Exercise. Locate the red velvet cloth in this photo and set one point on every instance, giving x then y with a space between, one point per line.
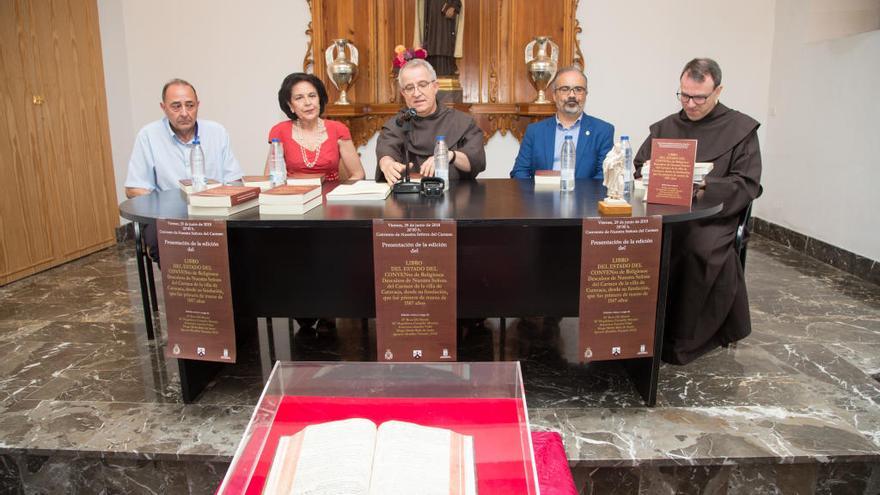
494 424
554 475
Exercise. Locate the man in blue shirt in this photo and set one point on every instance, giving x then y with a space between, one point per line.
160 158
593 138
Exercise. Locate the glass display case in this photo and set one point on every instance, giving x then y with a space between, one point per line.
485 401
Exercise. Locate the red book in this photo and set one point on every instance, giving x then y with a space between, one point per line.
287 195
224 196
672 171
305 179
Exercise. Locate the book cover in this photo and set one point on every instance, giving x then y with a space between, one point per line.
672 171
220 211
224 196
289 195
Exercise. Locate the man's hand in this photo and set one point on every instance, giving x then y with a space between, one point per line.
131 192
427 168
392 170
449 11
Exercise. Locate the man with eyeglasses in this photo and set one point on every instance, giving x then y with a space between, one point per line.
593 138
418 85
160 158
708 304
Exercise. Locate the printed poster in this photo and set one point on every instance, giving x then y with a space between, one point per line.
415 277
198 294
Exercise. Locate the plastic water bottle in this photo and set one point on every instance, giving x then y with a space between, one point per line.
277 165
441 160
627 167
197 167
566 165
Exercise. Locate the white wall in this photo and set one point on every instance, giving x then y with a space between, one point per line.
236 54
822 150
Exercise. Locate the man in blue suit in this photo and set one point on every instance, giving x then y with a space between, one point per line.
543 140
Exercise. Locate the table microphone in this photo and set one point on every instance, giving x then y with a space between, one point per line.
404 120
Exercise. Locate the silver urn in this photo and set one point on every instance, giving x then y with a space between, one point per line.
341 68
541 66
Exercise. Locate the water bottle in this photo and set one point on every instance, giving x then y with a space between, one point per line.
197 167
566 165
277 166
627 167
441 160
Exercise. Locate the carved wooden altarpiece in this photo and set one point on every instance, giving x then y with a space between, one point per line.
492 70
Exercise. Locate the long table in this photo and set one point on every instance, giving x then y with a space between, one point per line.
519 249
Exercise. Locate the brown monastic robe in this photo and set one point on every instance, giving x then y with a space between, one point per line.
440 34
707 301
460 130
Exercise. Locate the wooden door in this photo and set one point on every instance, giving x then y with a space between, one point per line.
25 236
59 199
70 74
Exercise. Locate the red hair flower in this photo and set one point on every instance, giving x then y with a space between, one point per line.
404 55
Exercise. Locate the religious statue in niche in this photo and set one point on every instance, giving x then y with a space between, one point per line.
439 28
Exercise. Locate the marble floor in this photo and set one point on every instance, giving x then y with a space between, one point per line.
88 405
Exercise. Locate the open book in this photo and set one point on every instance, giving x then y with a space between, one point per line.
354 457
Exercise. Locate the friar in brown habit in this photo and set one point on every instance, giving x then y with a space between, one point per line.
707 301
396 146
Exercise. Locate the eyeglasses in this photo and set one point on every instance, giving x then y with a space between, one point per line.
578 90
698 99
410 89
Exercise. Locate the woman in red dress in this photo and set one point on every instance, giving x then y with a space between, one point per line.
311 144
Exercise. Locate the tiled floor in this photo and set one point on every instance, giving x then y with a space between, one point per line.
88 405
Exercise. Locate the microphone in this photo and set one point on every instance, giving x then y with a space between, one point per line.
404 120
405 115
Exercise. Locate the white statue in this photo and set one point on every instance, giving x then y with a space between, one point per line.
613 172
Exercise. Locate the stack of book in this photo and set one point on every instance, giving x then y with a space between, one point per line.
223 201
290 200
362 190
